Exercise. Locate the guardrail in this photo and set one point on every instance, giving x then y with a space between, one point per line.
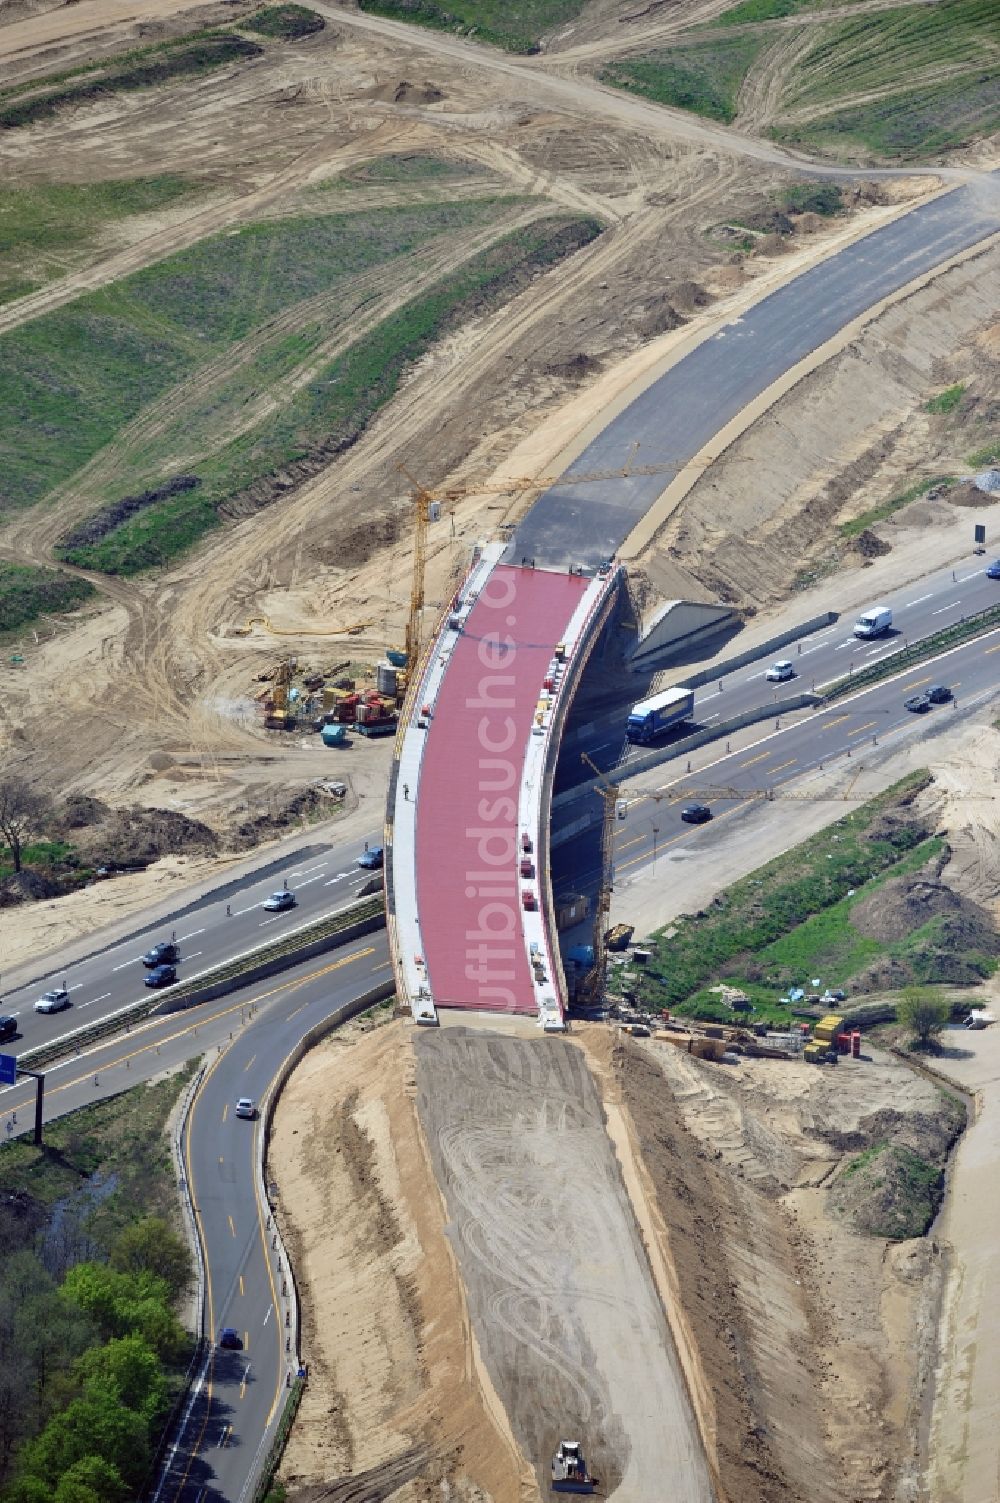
913 653
337 928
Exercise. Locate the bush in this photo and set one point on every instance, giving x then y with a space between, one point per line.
285 22
924 1012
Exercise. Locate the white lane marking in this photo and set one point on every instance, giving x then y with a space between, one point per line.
272 920
134 961
75 987
194 955
952 605
301 871
919 601
190 936
339 878
707 719
962 578
241 911
81 1005
851 642
267 1317
309 882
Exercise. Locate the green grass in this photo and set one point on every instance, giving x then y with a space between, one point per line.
332 411
988 455
27 594
898 56
42 224
122 1137
889 1191
408 167
284 22
945 401
812 198
185 59
517 28
885 509
705 78
760 10
767 906
72 378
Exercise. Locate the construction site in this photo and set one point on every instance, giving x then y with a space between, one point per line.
620 1173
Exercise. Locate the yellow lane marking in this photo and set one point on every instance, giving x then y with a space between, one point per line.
790 763
225 1114
249 1061
231 1227
859 728
214 1017
622 866
835 721
242 1289
992 649
383 965
915 683
763 756
635 841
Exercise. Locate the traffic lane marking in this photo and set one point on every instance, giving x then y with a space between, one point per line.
857 730
682 834
763 756
191 1028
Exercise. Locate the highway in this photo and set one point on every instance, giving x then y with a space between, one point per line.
213 929
245 1037
866 724
680 413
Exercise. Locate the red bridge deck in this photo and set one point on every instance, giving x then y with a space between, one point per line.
468 831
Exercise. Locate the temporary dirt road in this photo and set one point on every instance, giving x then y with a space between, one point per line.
557 1279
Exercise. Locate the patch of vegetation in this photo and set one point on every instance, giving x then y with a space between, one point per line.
812 198
515 28
407 167
331 413
284 21
705 78
885 509
893 62
890 1191
772 902
72 378
185 60
28 593
760 10
945 401
41 223
989 454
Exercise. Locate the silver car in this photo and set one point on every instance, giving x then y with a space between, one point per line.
53 1001
246 1108
780 671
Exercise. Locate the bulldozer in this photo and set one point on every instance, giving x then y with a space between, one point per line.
569 1469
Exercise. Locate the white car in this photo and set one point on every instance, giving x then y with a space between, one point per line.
53 1001
246 1108
780 671
279 902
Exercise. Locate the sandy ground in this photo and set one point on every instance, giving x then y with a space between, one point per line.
965 1422
558 1283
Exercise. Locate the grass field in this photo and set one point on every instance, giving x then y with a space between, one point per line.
45 226
517 28
705 79
879 513
71 379
26 594
330 413
284 22
900 83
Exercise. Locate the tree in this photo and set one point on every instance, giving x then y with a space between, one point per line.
126 1303
128 1371
95 1426
924 1012
149 1246
91 1480
22 812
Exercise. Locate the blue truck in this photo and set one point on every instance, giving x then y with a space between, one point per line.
650 717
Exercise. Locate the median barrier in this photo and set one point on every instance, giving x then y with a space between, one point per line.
912 653
637 766
336 929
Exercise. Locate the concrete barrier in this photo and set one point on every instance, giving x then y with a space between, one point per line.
762 650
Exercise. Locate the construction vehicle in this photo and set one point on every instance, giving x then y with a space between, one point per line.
651 717
277 716
569 1470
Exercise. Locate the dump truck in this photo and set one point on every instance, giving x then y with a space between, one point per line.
569 1470
651 717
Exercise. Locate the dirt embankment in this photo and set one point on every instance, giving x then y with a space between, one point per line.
815 1340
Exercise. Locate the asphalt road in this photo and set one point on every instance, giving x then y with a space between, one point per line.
868 723
919 610
678 414
209 931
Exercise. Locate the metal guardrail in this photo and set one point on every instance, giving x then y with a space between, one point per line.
913 653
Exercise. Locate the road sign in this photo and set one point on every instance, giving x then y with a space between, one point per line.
980 532
8 1069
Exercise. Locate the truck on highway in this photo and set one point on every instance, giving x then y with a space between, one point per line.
873 623
650 717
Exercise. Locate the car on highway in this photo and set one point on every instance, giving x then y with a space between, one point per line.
918 703
53 1001
230 1339
993 569
161 975
780 671
372 860
8 1027
165 952
695 814
279 902
939 694
246 1108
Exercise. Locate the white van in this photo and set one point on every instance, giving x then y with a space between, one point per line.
874 622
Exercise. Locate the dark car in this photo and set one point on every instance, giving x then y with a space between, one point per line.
373 859
165 953
918 703
993 569
8 1027
939 694
695 814
230 1339
161 975
278 902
